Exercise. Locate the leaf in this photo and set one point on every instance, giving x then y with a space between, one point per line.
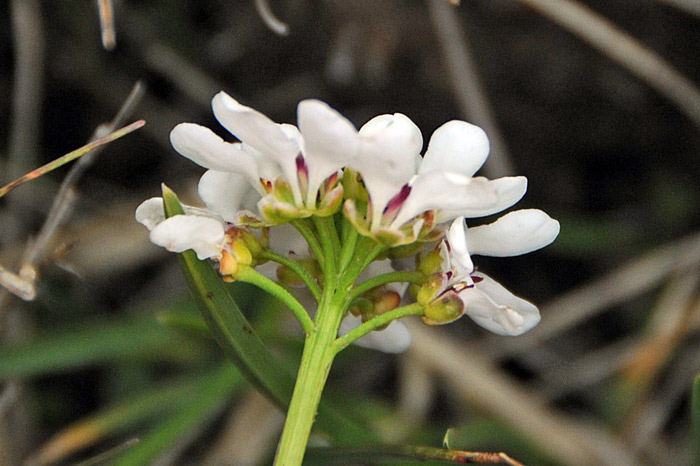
107 341
127 414
241 344
212 392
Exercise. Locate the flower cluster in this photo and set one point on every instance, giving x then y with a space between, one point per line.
374 181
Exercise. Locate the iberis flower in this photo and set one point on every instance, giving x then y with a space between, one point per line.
409 194
458 288
284 171
283 201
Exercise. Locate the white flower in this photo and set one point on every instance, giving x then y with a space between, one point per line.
199 229
488 303
402 186
270 155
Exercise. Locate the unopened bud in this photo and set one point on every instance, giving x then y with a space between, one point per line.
432 287
447 308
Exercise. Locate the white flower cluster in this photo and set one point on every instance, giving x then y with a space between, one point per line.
388 191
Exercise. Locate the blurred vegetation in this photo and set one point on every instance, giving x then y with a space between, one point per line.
113 349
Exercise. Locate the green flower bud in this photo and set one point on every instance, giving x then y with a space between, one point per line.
447 308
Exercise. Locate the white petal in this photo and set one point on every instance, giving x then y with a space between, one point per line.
459 255
330 141
150 212
268 168
456 146
286 240
389 145
281 143
508 191
205 148
496 309
223 193
441 190
252 127
396 338
179 233
513 234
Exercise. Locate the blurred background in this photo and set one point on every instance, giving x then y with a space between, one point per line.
594 102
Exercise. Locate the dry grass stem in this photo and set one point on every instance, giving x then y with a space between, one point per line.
481 385
108 32
271 21
637 276
625 50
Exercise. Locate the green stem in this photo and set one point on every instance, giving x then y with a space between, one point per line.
250 275
313 372
297 268
392 277
341 343
302 227
366 251
330 244
349 245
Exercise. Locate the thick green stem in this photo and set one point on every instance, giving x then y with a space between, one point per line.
313 372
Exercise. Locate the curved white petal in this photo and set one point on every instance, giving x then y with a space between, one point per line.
281 143
150 212
396 338
459 255
508 191
496 309
268 168
389 145
204 235
205 148
456 146
224 192
441 190
513 234
330 141
252 127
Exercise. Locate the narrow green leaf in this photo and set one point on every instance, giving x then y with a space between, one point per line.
212 392
104 457
238 340
142 339
123 416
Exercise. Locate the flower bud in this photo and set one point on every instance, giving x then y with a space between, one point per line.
241 250
447 308
431 263
432 287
